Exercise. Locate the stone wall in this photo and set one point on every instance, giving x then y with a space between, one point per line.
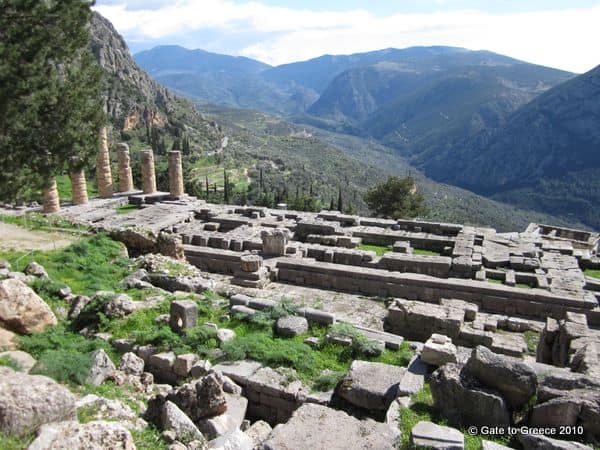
490 297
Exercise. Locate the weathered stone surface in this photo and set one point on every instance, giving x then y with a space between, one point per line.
456 396
319 427
238 371
109 409
51 199
200 368
120 305
103 172
274 241
210 396
371 385
184 363
251 263
131 364
175 175
28 401
22 359
225 335
236 440
184 315
35 269
413 379
438 350
258 432
71 435
541 442
148 174
513 379
290 326
8 340
170 245
78 187
489 445
22 310
430 435
101 368
175 419
125 175
229 421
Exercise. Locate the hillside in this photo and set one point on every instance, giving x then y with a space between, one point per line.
297 157
544 157
135 102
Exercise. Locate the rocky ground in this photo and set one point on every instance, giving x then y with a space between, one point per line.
105 351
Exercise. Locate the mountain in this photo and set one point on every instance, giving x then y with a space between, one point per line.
419 104
546 156
295 158
221 79
135 102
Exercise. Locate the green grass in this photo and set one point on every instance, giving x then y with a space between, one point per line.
493 280
422 409
125 209
380 250
422 252
35 221
63 184
523 285
255 339
14 442
149 439
594 273
531 338
90 264
9 362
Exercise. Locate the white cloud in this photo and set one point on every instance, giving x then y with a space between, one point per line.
562 38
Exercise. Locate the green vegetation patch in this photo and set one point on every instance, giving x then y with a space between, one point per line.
89 265
592 273
531 338
423 252
380 250
125 209
15 442
9 362
36 221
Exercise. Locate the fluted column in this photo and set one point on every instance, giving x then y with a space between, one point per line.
148 174
51 199
125 176
103 173
78 187
175 175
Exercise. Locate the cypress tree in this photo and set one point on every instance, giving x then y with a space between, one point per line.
340 202
50 92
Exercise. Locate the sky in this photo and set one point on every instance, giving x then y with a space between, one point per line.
555 33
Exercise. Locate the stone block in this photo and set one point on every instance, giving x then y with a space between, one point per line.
432 436
183 315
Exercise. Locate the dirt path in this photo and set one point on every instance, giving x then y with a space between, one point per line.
13 237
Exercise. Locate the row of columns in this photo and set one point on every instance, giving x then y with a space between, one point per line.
104 179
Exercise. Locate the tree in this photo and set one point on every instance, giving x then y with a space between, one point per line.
397 198
50 92
340 202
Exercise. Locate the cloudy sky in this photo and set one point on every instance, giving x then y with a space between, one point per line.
557 33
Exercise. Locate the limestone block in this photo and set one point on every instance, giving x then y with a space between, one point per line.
125 175
148 174
430 435
51 200
78 187
175 175
103 172
184 314
274 241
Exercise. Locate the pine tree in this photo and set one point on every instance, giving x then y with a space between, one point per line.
50 92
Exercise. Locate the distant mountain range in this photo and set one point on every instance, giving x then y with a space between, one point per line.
518 132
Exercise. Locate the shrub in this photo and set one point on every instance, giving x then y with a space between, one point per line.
63 366
327 380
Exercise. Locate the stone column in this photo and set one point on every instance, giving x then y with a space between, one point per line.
148 175
103 173
175 175
51 199
125 176
78 187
